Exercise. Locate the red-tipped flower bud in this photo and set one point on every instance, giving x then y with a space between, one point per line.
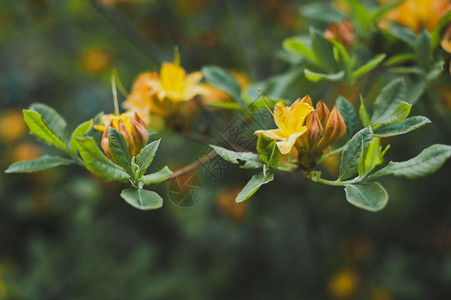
306 99
334 130
343 33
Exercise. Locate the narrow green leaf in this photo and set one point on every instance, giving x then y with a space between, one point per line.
296 46
374 62
315 77
80 131
268 151
425 163
402 33
157 177
363 113
349 115
401 112
436 33
246 160
52 118
142 199
384 9
253 185
404 126
146 156
222 79
423 49
119 150
225 105
40 164
372 197
352 152
97 162
40 129
388 100
373 157
323 51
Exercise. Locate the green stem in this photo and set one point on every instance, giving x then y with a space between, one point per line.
316 177
338 150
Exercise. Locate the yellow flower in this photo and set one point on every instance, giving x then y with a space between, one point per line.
417 14
290 123
132 128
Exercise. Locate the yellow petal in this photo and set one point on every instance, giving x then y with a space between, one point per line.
298 114
193 78
275 134
172 77
286 144
280 116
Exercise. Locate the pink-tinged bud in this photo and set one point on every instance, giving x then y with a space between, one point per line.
139 133
315 129
334 130
104 143
342 32
323 112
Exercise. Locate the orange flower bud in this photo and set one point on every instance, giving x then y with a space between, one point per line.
315 129
133 129
334 130
306 99
343 33
323 112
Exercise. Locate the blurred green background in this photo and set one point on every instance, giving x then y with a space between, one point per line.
67 235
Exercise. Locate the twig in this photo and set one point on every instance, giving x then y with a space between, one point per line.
193 165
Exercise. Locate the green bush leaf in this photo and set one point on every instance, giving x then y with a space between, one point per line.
268 151
97 162
323 51
349 115
374 62
253 185
404 126
436 33
401 112
40 164
142 199
425 163
315 77
372 158
423 50
146 156
40 129
119 150
157 177
372 197
402 33
296 46
222 79
363 113
388 100
80 131
351 154
52 118
246 160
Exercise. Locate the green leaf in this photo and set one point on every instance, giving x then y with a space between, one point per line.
425 163
402 33
372 158
323 51
40 164
321 12
404 126
268 151
372 197
157 177
349 116
225 105
40 129
296 46
436 33
401 112
374 62
142 199
363 113
351 154
246 160
222 79
52 118
384 9
423 49
388 100
80 131
315 77
253 185
146 156
97 162
119 150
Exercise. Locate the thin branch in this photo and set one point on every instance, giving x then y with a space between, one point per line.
193 165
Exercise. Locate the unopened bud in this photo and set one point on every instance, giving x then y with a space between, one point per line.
323 112
306 99
334 130
343 33
315 129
